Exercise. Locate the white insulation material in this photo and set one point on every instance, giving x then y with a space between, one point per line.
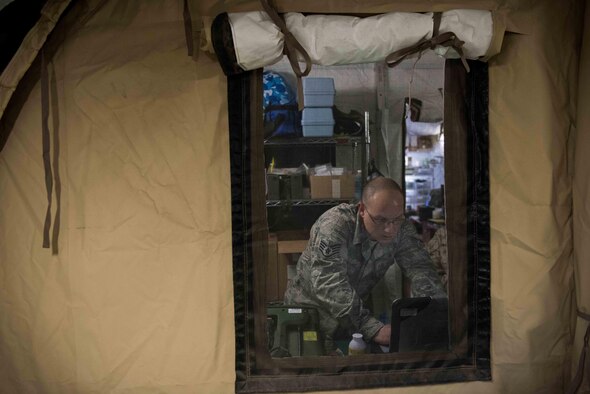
338 39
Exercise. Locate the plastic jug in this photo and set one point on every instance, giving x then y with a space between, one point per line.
357 345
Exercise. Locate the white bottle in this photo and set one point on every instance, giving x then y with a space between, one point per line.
357 345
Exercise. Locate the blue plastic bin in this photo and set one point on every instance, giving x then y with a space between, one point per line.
318 92
317 122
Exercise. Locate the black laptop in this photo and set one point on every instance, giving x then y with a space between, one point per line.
419 324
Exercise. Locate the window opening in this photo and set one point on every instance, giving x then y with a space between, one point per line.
279 204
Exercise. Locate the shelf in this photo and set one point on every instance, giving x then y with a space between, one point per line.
335 140
287 203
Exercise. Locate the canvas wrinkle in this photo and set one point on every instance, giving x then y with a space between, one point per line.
180 309
207 351
24 196
83 364
544 271
519 243
121 367
29 144
179 191
528 320
519 273
506 184
552 343
541 201
546 247
46 345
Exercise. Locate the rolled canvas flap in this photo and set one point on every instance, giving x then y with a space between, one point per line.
339 39
258 42
474 27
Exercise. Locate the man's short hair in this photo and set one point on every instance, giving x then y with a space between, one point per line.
379 184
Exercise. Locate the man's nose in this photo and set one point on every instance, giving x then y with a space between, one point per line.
389 227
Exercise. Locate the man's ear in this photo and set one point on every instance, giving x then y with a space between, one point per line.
361 209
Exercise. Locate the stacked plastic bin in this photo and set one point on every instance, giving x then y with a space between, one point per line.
318 118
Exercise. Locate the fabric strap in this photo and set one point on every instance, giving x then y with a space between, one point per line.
436 18
56 176
52 179
71 23
291 47
577 380
188 28
46 146
448 39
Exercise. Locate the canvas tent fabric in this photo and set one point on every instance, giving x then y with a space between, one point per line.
139 298
340 39
581 214
28 50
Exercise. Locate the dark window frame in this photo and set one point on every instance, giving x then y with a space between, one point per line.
466 136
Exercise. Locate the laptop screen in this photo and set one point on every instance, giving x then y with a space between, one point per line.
419 324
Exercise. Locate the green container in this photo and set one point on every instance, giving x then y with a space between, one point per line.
284 186
293 331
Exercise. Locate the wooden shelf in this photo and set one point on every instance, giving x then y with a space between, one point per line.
293 246
287 203
334 140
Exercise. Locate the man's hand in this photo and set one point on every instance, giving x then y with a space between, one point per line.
382 336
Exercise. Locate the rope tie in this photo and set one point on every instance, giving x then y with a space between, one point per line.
291 48
448 39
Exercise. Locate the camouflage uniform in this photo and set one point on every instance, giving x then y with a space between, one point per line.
437 250
341 265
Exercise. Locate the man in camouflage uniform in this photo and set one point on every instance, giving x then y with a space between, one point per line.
350 248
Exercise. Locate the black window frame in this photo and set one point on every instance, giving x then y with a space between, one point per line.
466 135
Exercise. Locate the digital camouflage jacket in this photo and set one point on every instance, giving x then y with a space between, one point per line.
341 265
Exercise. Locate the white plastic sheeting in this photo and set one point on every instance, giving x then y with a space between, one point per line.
339 39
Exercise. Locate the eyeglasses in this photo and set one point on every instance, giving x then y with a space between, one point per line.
382 222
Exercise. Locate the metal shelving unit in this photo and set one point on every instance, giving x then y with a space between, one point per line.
358 143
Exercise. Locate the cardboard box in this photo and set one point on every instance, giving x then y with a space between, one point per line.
332 186
284 248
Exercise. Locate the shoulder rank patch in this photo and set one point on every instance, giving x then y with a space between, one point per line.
328 251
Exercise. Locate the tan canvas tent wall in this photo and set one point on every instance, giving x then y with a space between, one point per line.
139 297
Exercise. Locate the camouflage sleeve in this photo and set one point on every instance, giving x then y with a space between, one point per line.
437 250
414 260
329 280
